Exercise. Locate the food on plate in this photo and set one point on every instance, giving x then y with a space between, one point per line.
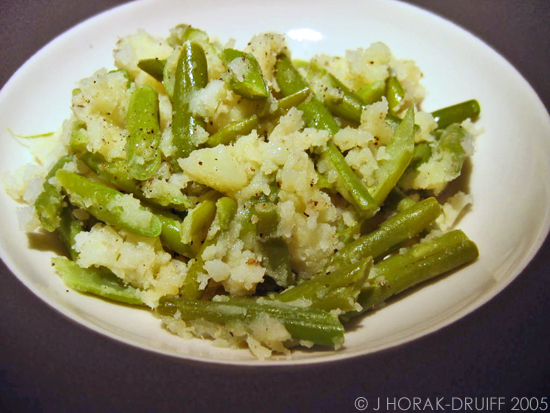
248 196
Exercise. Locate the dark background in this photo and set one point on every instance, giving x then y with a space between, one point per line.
49 363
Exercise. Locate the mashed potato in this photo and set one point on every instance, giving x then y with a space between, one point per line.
288 209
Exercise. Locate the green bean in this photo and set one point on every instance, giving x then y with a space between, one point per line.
276 260
171 233
317 115
232 131
398 201
394 121
142 122
308 324
258 227
347 234
226 208
191 288
67 231
267 219
457 113
331 291
396 229
275 253
108 204
300 64
126 74
225 211
400 151
288 78
344 103
364 200
184 32
422 153
191 75
372 92
153 67
196 223
451 144
49 203
282 106
246 75
394 94
350 105
293 100
420 263
98 281
450 155
115 172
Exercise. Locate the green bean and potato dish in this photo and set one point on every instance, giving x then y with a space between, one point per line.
247 196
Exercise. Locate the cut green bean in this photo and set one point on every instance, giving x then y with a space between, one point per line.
396 229
171 233
288 78
450 144
318 116
422 153
336 96
282 106
421 262
300 63
231 132
394 121
191 75
225 209
196 223
398 201
49 203
184 32
115 172
108 204
275 253
400 150
337 290
142 121
293 100
246 75
394 94
267 219
373 92
457 113
153 67
358 191
449 153
308 324
276 260
347 234
126 74
67 231
98 281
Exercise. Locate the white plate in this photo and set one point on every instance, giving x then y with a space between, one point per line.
510 178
